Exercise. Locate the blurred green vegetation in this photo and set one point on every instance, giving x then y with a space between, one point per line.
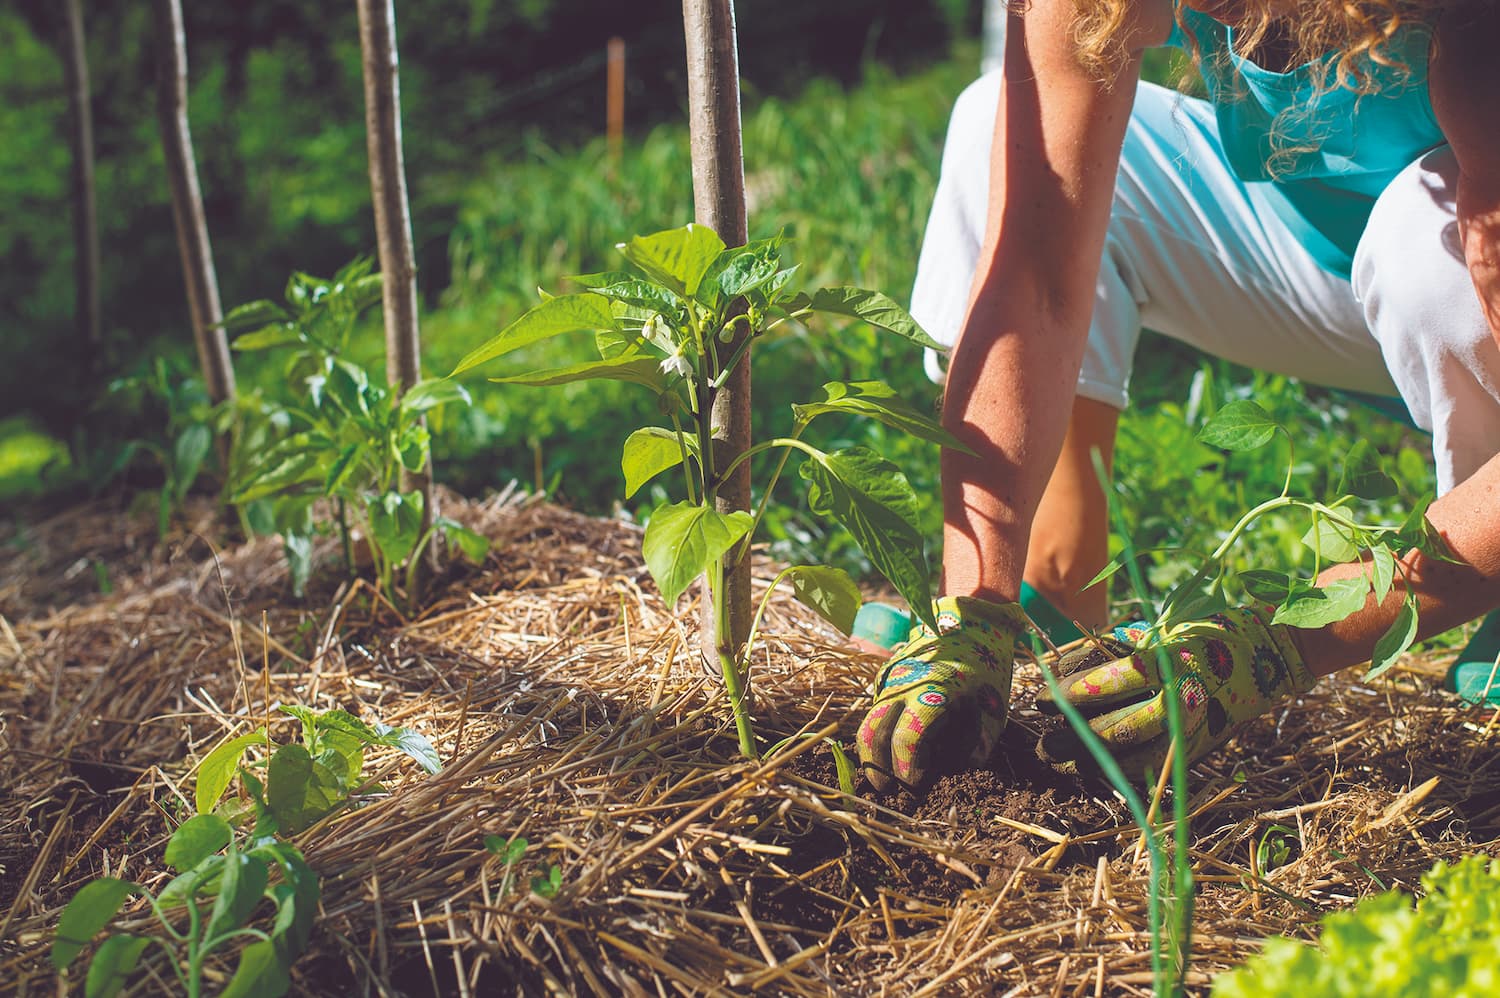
846 167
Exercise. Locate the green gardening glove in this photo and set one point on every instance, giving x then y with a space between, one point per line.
1229 668
941 699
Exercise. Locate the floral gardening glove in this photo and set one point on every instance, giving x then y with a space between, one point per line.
941 699
1229 668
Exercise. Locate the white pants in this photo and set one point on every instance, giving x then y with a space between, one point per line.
1194 254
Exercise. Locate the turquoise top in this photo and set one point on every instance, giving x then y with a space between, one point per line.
1320 156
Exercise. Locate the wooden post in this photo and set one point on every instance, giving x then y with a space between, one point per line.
398 267
187 203
85 209
719 202
614 97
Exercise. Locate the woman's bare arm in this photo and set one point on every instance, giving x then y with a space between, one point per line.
1013 373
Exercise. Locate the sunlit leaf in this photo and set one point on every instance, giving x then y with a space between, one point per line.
878 309
634 368
1316 606
650 451
1382 571
1239 425
195 840
829 591
1396 640
553 317
880 402
677 258
683 539
219 767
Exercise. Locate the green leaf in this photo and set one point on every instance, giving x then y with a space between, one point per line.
219 767
880 402
1312 606
633 368
677 258
1382 571
261 973
1266 586
648 452
843 765
829 591
241 887
433 392
411 743
553 317
91 909
1397 638
879 310
1363 474
113 963
276 335
342 467
1189 600
255 313
349 388
471 543
395 523
745 272
645 295
188 452
195 840
305 893
1332 541
1239 425
298 789
342 720
510 850
683 539
871 498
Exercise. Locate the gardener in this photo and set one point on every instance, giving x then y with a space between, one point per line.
1332 212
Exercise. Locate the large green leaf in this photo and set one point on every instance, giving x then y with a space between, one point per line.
1382 571
1363 475
261 973
298 789
1239 425
1332 541
879 310
634 368
412 743
1316 606
648 452
395 523
683 539
553 317
471 543
219 767
195 840
829 591
1397 638
112 965
90 910
871 498
879 401
241 887
677 258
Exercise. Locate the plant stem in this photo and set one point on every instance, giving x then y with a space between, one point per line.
687 471
348 542
765 498
729 662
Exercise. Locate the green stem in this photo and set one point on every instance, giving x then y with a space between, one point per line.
729 663
734 358
765 498
687 471
1247 519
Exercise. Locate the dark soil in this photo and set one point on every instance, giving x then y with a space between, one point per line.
836 866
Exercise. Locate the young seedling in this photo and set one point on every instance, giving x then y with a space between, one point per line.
667 328
210 865
349 441
296 784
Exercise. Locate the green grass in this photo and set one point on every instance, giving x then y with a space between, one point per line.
25 454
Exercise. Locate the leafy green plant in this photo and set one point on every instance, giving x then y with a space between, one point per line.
1336 532
210 865
678 327
293 785
348 441
1386 946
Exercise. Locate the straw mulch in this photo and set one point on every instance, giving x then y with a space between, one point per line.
571 708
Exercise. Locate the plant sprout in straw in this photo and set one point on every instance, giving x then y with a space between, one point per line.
668 327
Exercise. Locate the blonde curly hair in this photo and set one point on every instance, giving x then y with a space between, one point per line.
1357 33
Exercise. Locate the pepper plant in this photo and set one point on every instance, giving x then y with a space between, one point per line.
211 866
348 441
668 327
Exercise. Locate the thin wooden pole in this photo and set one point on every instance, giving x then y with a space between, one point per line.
193 244
614 97
85 209
719 202
398 266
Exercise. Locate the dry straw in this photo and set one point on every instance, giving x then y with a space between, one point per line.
571 709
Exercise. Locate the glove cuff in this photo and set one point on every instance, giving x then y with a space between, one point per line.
1001 619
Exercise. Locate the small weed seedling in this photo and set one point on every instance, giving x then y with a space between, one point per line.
297 783
209 865
669 328
546 883
349 442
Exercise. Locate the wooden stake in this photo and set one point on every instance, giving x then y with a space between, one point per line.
614 97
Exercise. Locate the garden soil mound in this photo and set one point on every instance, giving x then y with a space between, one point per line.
571 708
